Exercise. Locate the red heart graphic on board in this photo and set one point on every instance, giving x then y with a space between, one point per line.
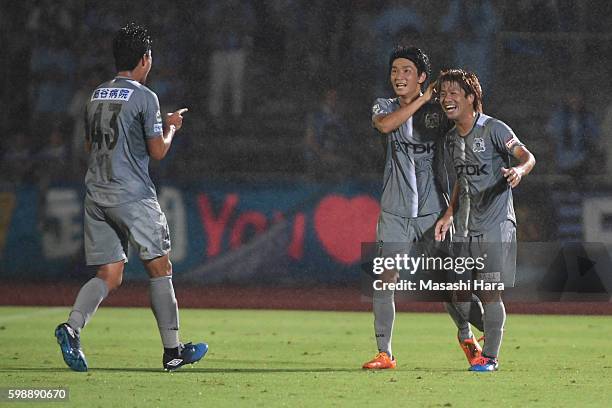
342 224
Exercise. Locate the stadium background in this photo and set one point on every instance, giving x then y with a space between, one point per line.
249 203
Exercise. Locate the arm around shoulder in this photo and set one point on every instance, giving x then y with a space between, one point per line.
388 122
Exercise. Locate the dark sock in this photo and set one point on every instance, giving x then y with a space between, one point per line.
172 352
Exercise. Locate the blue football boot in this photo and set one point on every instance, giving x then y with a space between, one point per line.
70 345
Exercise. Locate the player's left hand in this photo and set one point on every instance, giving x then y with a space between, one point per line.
513 175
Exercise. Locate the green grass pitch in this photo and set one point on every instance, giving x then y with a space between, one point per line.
291 358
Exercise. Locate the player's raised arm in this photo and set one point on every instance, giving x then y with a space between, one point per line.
526 160
159 146
386 123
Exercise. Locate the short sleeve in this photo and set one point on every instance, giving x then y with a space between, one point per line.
381 106
152 117
503 137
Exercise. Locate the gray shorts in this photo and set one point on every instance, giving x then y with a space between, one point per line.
394 232
498 247
108 230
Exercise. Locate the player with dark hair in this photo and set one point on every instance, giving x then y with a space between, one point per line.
412 199
123 128
482 148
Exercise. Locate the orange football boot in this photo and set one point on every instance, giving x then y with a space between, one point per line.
380 362
471 348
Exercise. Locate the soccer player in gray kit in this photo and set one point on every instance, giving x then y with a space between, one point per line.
482 149
123 129
412 200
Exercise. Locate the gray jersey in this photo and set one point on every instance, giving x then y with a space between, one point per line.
120 116
409 186
478 159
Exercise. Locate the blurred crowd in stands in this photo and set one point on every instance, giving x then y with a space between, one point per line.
280 88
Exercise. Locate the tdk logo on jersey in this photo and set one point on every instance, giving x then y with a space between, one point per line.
471 170
415 148
479 145
157 128
112 94
432 120
376 109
